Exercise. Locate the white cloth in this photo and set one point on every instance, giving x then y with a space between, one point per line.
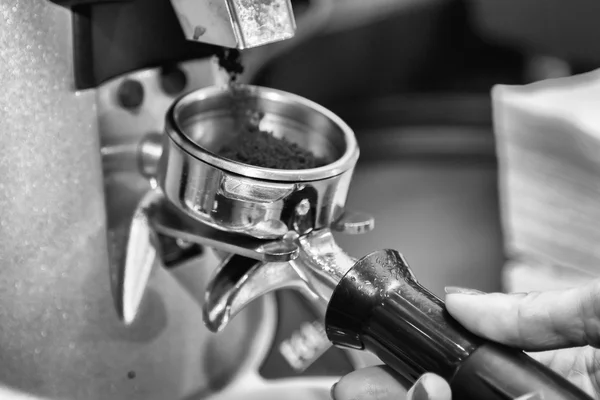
548 138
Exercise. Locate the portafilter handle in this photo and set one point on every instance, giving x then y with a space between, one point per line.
380 307
376 304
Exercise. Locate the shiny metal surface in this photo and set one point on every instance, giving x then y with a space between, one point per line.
195 360
141 254
236 23
244 199
238 282
137 156
316 272
169 222
202 121
290 207
231 360
249 384
267 251
354 223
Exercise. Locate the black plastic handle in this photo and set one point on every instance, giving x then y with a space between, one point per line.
379 306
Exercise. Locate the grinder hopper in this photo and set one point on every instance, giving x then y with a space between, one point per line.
273 229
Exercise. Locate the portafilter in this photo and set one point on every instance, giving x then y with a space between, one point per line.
274 230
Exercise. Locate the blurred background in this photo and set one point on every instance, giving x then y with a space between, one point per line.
413 78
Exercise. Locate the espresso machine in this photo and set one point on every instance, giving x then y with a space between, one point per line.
137 263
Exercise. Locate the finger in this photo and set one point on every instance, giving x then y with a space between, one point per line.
373 383
534 321
577 364
430 387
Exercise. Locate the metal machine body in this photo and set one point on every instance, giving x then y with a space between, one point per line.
63 216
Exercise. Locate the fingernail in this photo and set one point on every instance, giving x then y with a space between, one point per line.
418 391
332 391
459 290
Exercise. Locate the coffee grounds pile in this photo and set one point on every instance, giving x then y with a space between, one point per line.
261 149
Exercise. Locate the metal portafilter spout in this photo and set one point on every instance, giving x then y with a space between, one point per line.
276 228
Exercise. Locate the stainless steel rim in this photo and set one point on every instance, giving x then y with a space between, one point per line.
187 145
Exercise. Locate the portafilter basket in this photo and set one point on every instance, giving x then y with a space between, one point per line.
239 198
273 228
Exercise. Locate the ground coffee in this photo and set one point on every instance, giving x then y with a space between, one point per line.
261 149
253 146
231 61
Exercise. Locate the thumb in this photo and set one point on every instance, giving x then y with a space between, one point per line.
531 321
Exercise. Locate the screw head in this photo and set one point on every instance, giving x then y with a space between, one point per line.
130 94
303 208
173 80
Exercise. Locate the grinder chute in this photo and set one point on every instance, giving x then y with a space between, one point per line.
237 24
274 227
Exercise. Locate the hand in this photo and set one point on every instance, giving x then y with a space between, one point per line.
562 328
